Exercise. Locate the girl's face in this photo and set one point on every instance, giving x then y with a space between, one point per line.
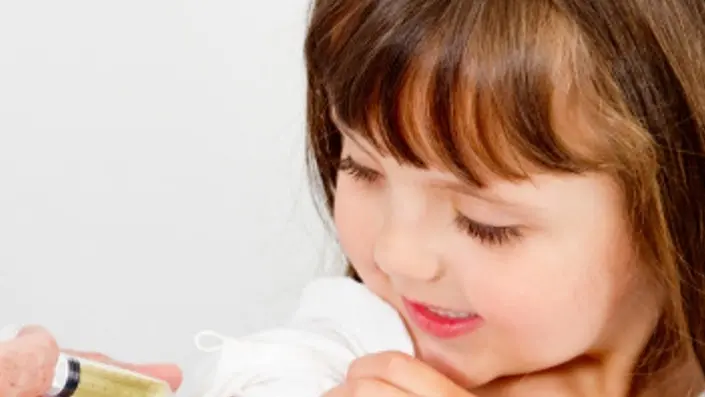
511 279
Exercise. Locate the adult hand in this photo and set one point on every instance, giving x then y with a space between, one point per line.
393 374
27 364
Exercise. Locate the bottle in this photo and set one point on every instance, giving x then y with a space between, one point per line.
79 377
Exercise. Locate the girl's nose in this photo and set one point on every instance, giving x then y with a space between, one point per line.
404 249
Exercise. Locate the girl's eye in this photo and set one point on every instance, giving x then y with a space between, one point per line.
491 235
357 170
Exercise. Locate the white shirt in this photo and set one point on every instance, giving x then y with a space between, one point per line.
338 320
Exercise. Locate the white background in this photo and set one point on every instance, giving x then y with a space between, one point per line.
152 179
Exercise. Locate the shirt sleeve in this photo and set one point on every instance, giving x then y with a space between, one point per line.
337 321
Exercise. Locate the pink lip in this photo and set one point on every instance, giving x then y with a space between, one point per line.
438 325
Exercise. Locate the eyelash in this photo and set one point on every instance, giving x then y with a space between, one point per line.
486 234
490 235
358 171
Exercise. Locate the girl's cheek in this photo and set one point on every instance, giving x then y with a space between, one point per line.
510 310
356 217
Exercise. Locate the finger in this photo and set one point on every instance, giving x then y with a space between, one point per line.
404 372
33 330
90 356
340 391
367 388
170 373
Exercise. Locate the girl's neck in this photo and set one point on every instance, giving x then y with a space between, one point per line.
586 378
608 376
580 378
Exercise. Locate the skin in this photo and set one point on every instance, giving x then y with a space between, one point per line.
566 310
27 364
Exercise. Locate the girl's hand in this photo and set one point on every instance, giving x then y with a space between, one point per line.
393 374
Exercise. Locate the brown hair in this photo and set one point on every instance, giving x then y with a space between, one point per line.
480 87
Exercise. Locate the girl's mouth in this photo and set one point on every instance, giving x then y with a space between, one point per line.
439 322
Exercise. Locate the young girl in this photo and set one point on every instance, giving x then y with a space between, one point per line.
522 182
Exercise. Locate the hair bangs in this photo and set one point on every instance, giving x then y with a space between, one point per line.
484 106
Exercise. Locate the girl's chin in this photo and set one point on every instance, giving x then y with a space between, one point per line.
468 375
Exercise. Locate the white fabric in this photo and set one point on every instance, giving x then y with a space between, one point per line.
338 320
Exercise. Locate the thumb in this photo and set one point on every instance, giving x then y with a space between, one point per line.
27 362
39 339
33 330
